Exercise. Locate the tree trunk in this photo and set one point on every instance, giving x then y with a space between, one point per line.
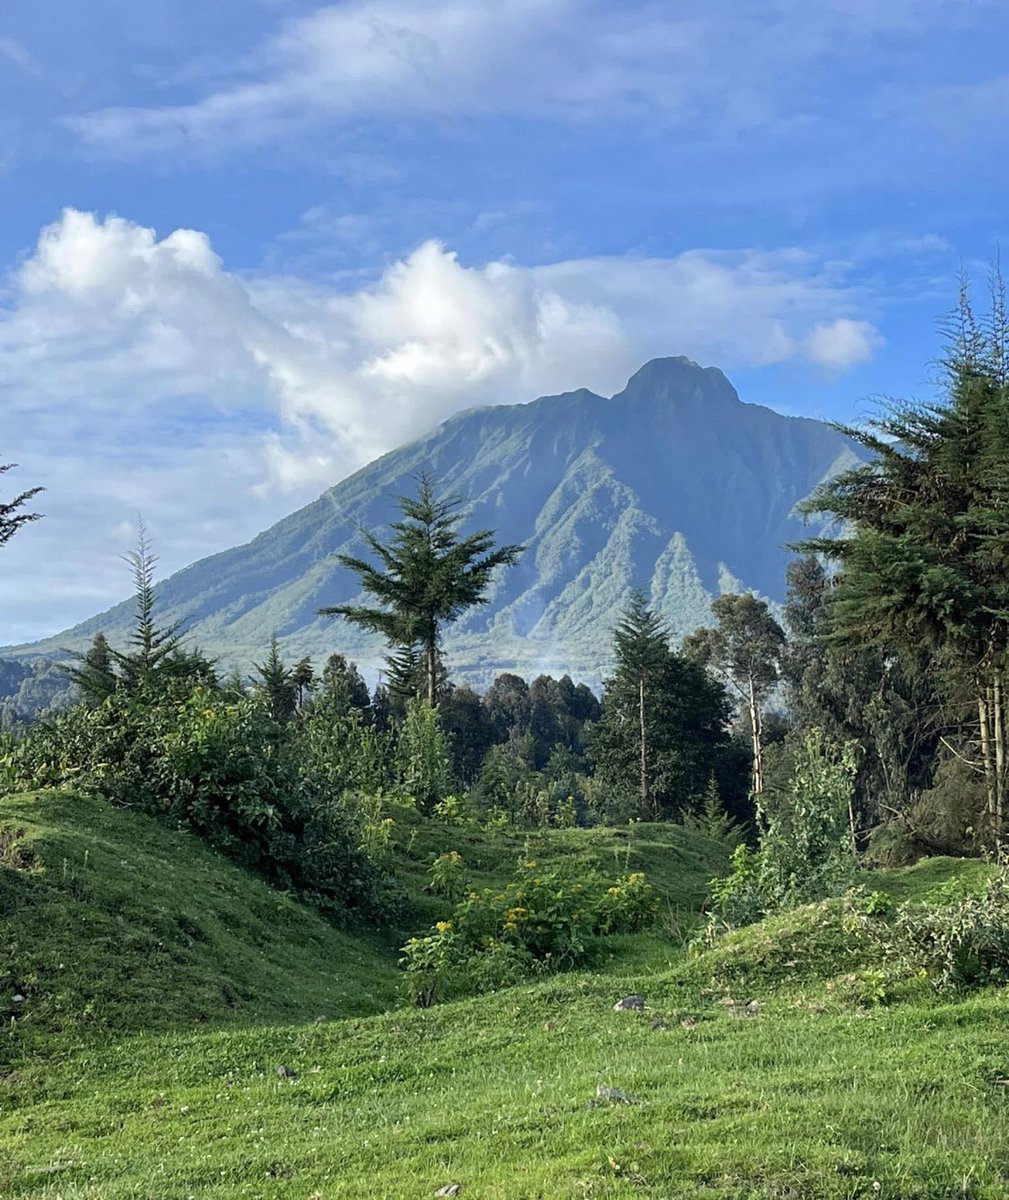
432 672
998 716
645 798
987 758
755 731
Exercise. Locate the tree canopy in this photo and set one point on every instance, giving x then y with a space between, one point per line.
426 576
11 518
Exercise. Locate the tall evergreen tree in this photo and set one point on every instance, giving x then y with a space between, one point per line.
276 683
663 722
427 576
924 550
154 649
743 649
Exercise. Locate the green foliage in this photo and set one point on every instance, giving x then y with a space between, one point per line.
663 724
424 757
448 876
886 702
277 684
627 906
743 649
959 941
214 764
545 918
427 576
805 849
340 749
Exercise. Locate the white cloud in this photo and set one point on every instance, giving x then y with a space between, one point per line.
725 66
842 343
140 374
16 53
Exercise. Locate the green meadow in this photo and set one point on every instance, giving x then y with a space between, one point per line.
188 1031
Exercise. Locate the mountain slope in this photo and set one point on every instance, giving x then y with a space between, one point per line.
674 485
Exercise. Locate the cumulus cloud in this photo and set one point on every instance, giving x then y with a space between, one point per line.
842 343
723 65
140 373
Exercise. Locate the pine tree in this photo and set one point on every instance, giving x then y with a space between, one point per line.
663 722
427 576
276 682
95 675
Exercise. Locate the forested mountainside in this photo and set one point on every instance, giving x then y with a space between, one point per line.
674 484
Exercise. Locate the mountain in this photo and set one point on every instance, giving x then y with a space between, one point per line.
674 485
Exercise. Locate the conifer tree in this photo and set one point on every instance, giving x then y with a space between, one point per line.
276 682
95 675
154 649
925 549
427 575
11 519
663 722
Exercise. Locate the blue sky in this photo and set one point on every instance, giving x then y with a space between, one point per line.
247 246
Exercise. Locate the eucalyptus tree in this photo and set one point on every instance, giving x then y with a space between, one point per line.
743 649
426 576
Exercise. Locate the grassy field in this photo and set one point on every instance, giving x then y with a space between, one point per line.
817 1095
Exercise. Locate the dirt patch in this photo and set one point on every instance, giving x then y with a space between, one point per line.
13 853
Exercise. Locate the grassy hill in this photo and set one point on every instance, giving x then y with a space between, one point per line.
111 922
819 1095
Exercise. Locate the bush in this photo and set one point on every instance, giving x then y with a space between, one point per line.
542 919
805 851
629 905
961 942
217 765
448 877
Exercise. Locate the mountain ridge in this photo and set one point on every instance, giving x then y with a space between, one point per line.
674 484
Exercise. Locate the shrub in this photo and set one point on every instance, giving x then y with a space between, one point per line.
542 919
629 905
962 943
217 765
448 876
805 851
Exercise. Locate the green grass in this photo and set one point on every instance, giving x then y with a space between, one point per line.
110 922
816 1098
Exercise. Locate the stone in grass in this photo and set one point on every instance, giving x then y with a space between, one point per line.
614 1095
450 1189
286 1072
630 1004
750 1009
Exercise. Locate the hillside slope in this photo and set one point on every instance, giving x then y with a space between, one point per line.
674 485
112 922
544 1091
